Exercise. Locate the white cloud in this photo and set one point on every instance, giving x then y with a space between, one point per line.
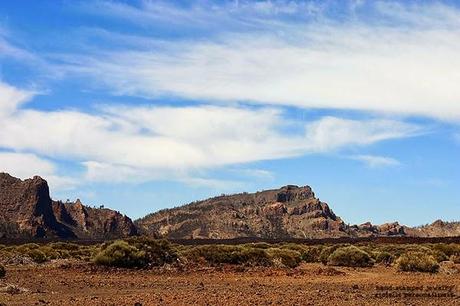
25 166
330 132
121 143
405 61
374 161
11 98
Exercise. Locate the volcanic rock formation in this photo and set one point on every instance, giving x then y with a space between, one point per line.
26 210
288 212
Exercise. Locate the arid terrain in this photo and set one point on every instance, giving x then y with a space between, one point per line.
274 247
308 284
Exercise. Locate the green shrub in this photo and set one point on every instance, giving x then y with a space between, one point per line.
2 271
84 253
121 254
228 254
255 257
216 254
417 262
260 245
350 256
37 256
49 252
288 258
439 256
25 248
447 249
157 252
65 246
326 252
294 247
384 258
312 254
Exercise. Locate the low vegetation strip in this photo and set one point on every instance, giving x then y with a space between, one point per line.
145 253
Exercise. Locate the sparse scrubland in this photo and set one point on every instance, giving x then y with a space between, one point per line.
145 253
143 271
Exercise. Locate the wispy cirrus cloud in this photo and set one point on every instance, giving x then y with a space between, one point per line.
403 60
375 161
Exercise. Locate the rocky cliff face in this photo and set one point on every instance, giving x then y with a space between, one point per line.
290 211
93 223
26 210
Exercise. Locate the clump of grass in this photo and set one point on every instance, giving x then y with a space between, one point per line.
350 256
417 262
2 271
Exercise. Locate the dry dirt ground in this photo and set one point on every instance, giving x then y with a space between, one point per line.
309 284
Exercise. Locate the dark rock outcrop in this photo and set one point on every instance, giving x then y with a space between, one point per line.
26 210
93 223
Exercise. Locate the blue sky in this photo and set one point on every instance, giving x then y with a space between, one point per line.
142 105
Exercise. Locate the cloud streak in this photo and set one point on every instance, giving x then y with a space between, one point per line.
406 63
374 161
138 143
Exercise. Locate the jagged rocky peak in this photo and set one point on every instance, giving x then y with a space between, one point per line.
27 210
289 193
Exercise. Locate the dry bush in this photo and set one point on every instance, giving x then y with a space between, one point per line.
417 262
448 249
259 245
312 254
157 252
288 258
455 259
350 256
228 254
384 258
255 257
326 252
2 271
37 256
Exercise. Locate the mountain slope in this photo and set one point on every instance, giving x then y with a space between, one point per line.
290 211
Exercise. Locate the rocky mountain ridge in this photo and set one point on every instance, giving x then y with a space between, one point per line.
27 210
288 212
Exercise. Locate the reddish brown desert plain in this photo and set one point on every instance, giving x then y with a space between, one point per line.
63 282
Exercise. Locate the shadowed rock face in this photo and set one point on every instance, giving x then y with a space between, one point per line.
26 210
93 223
290 211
